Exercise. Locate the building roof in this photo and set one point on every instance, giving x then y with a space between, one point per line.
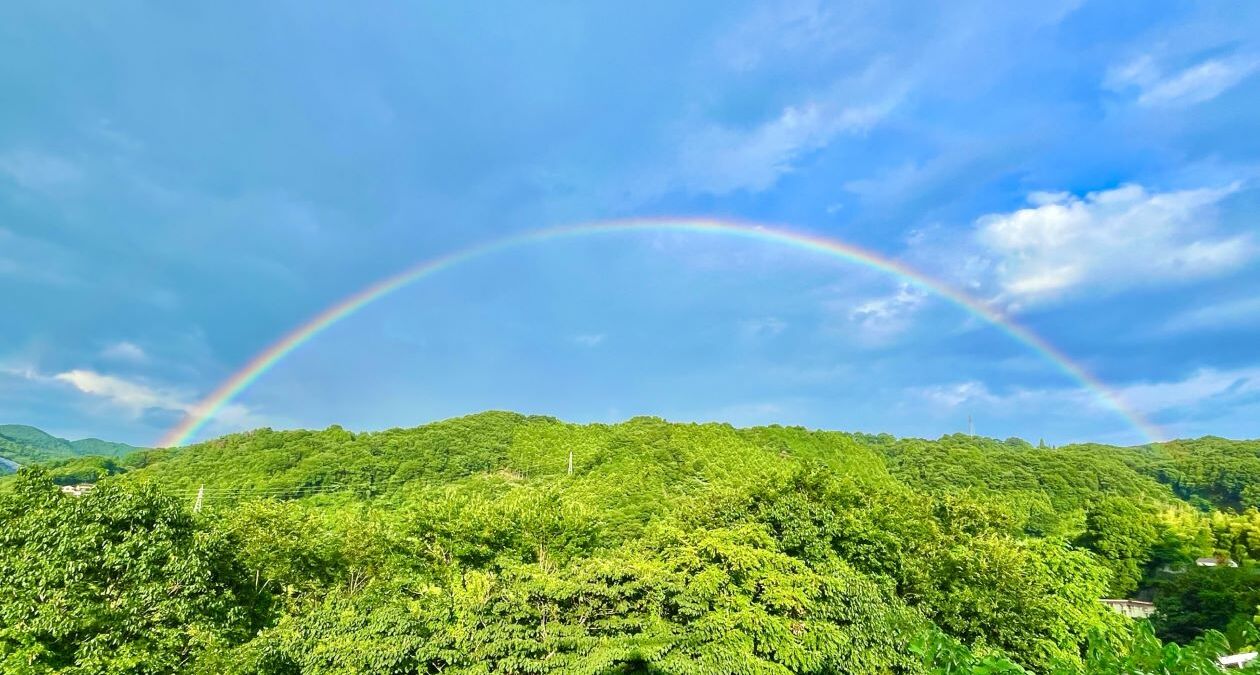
1238 659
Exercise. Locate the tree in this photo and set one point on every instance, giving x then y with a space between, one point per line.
1123 535
1143 653
466 546
117 581
1202 599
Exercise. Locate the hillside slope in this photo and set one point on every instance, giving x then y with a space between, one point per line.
21 444
500 543
681 457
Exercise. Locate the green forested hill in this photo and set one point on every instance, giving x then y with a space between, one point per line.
28 445
23 444
97 447
20 433
503 543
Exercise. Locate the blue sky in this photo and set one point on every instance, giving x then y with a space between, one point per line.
180 186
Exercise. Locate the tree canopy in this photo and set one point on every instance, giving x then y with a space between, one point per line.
470 546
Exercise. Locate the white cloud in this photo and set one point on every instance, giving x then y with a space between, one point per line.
1206 384
129 395
235 417
1109 239
125 351
23 371
1204 393
1059 406
1137 72
135 398
885 316
1230 313
589 339
847 66
796 28
1060 410
896 183
956 394
716 154
719 159
1195 84
38 171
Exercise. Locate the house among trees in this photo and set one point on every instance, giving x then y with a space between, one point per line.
1237 660
1134 609
1215 562
77 490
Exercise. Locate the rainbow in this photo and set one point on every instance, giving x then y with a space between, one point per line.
205 410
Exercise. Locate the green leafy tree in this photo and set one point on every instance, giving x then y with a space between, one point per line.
468 546
1144 654
118 581
724 600
1124 536
944 655
1204 598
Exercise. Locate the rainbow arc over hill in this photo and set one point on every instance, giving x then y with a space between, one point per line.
205 410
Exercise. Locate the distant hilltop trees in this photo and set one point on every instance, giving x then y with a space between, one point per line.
505 543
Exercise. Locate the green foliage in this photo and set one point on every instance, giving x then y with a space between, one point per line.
950 558
1204 598
1124 536
83 470
1139 652
1236 535
1144 653
1048 489
944 655
1220 471
32 437
23 445
468 546
1034 599
680 602
22 453
115 582
1184 535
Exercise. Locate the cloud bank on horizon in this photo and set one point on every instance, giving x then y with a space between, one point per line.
179 187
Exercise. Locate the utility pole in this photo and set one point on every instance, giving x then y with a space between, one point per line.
570 461
971 426
201 495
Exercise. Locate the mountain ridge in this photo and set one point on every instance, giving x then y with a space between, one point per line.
24 444
620 538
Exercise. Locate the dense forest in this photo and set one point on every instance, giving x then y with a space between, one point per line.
502 543
21 444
